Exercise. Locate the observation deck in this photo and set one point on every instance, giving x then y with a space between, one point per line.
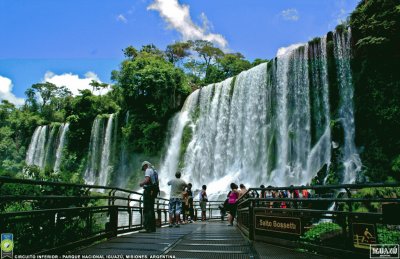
55 218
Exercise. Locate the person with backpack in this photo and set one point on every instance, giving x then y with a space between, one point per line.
190 203
175 201
203 201
150 191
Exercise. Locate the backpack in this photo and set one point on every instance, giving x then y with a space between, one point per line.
155 184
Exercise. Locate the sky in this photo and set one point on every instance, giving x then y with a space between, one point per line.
71 42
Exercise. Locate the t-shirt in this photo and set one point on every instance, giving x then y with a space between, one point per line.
233 196
150 173
177 186
202 195
190 195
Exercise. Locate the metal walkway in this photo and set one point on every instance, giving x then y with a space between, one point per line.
212 239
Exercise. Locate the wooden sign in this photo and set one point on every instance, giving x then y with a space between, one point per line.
285 225
364 235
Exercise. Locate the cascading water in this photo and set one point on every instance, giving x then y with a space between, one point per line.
352 161
30 154
180 120
100 151
96 141
62 137
123 168
46 151
106 152
271 125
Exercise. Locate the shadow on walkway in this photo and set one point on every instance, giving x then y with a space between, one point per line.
213 239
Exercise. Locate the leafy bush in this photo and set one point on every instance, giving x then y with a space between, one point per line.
318 232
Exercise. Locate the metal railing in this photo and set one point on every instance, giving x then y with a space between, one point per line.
213 210
53 217
340 219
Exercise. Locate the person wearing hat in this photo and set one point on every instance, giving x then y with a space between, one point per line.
149 222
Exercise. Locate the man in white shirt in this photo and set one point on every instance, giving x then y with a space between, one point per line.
175 200
149 222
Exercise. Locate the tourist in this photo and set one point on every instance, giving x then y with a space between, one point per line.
185 206
190 202
242 191
149 222
175 200
294 194
283 194
203 202
233 196
262 193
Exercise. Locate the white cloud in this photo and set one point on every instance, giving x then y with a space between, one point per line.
285 50
178 17
121 18
73 82
6 87
290 14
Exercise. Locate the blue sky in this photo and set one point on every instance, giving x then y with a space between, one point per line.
74 41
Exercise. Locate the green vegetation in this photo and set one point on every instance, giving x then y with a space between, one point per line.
320 232
388 235
376 38
151 85
186 138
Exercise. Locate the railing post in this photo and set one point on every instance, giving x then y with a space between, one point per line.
141 210
251 220
129 211
159 219
113 223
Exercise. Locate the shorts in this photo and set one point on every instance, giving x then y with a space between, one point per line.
231 208
203 205
175 206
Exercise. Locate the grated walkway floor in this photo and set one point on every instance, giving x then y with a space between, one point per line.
212 239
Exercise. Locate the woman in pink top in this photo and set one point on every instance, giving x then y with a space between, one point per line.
232 206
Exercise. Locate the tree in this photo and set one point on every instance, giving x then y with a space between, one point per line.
208 52
376 36
177 51
97 86
233 63
130 52
46 91
153 89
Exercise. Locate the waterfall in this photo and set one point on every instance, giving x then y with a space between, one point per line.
37 148
352 161
94 151
269 125
170 163
320 154
30 154
106 152
62 136
49 149
45 150
100 151
123 168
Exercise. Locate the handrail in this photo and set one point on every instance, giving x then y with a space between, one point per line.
40 182
52 212
341 220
